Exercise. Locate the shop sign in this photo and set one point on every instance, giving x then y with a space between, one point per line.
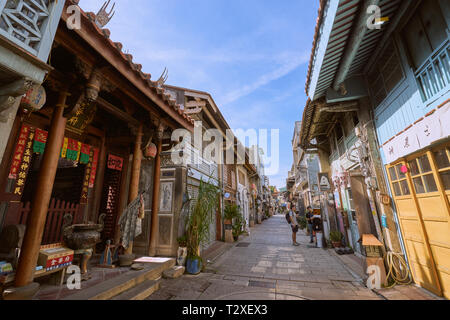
25 165
420 135
115 163
324 182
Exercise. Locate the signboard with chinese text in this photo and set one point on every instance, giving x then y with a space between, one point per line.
115 163
420 135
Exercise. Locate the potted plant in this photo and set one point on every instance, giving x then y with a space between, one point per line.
302 222
336 239
198 224
182 250
238 225
230 212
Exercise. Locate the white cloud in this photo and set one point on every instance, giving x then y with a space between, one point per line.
291 63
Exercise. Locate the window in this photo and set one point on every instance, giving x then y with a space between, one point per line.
399 182
442 158
422 175
385 74
425 32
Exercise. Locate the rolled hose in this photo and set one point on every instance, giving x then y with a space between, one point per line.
399 271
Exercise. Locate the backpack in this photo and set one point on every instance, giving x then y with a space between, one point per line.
288 218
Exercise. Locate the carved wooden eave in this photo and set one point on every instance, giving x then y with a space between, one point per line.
319 118
122 64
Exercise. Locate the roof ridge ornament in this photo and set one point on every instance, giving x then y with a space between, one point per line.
163 78
102 18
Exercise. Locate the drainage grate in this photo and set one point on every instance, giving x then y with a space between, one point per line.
262 284
243 245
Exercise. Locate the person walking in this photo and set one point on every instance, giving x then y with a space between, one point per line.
294 225
309 221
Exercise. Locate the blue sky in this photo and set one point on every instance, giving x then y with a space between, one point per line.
251 55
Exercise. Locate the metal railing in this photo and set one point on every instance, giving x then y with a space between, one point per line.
31 24
433 76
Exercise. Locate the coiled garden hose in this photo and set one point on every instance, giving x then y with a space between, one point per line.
398 269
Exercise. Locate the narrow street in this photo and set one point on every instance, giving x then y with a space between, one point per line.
265 266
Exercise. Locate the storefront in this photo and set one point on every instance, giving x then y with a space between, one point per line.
420 184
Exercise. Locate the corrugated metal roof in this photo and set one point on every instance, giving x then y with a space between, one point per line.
346 16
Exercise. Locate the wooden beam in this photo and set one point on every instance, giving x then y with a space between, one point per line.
358 32
339 108
387 34
117 112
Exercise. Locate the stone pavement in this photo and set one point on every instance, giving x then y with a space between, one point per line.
265 266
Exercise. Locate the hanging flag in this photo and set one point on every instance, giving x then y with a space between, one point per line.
20 149
94 168
85 153
72 150
40 140
78 151
64 148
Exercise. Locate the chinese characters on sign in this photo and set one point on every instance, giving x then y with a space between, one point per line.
87 176
432 128
115 163
20 150
94 168
25 165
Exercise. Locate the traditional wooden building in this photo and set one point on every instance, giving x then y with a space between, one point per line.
379 109
80 157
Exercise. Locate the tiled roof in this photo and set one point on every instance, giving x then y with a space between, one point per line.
137 68
314 45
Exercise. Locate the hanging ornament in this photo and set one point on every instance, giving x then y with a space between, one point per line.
151 150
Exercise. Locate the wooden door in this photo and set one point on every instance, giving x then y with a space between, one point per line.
413 229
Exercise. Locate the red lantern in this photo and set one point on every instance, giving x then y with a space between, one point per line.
404 169
150 151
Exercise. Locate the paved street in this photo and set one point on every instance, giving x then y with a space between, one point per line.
265 265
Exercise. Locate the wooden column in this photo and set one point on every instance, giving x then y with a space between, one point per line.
135 175
155 202
41 199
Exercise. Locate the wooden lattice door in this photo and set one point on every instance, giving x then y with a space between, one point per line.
110 202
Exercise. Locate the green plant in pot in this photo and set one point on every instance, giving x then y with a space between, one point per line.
302 222
238 225
182 250
230 212
336 239
198 224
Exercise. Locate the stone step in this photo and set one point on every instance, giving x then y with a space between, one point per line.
115 286
140 292
174 272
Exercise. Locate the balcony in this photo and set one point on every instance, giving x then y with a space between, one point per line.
31 24
433 77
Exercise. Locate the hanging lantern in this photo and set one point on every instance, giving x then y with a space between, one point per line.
34 99
150 151
404 169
